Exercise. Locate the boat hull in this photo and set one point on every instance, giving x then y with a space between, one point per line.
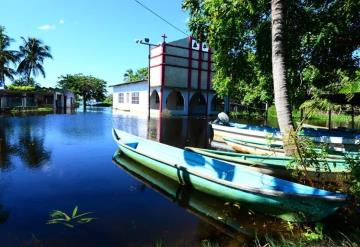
297 208
272 135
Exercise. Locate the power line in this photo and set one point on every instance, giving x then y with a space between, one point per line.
163 19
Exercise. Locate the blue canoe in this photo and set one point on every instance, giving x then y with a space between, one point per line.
230 181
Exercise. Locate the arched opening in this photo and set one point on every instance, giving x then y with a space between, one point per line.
217 104
175 101
197 104
154 100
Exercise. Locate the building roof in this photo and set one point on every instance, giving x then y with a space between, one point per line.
126 83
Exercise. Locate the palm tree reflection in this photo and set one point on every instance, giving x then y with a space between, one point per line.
4 214
31 148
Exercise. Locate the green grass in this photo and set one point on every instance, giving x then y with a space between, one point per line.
34 109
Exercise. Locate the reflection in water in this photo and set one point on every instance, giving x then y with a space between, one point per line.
230 219
27 142
31 149
4 214
174 131
6 148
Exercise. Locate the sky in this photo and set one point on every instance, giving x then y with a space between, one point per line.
94 37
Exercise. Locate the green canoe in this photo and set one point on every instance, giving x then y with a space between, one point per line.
235 220
231 182
276 165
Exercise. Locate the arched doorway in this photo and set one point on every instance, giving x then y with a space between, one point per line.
197 104
175 101
154 100
217 104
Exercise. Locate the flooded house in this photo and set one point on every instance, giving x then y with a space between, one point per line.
180 82
43 97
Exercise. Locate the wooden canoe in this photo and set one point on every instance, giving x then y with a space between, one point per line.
230 181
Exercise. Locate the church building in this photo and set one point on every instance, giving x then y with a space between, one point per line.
180 82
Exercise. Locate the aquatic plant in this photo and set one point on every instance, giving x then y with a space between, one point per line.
207 243
60 217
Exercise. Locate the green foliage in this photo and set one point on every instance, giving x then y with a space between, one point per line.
109 99
32 54
75 218
140 74
88 87
319 49
7 57
207 243
20 88
353 180
23 81
316 234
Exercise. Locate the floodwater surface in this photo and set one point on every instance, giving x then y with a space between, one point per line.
60 161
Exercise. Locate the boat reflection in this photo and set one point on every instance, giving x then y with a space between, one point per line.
234 220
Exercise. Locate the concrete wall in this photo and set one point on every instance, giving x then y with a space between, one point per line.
128 89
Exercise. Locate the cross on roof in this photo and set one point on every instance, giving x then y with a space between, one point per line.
164 37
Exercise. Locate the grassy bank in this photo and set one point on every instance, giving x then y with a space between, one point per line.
317 117
32 110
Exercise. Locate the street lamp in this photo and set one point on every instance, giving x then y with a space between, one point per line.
146 41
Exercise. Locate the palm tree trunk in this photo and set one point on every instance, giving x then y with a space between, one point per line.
279 74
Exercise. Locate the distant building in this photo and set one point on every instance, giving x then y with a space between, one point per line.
180 82
56 99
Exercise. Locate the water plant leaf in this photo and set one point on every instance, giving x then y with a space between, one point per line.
75 211
60 217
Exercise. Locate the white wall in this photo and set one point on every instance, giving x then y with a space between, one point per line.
141 87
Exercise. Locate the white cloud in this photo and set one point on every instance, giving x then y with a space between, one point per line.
61 21
47 27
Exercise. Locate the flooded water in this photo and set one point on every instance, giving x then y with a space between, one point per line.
60 161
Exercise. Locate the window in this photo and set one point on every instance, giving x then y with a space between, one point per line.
121 98
135 98
128 98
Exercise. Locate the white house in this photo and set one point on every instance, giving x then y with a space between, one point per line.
180 82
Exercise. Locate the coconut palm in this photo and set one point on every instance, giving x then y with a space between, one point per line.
32 54
282 105
7 57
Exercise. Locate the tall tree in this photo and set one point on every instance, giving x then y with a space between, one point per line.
88 87
283 109
32 54
322 38
7 57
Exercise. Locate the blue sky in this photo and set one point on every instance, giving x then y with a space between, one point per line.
91 37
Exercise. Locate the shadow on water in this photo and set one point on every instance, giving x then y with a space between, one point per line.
216 216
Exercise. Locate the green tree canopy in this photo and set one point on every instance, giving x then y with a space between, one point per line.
321 39
140 74
88 87
7 57
32 54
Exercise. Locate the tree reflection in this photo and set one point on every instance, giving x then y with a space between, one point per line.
4 214
31 149
6 149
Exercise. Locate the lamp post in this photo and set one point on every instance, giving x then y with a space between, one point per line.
146 41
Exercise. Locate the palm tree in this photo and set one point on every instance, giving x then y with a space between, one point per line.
6 57
32 55
282 105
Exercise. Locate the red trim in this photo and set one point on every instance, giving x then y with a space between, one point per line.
162 76
208 81
177 66
177 56
199 65
190 64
